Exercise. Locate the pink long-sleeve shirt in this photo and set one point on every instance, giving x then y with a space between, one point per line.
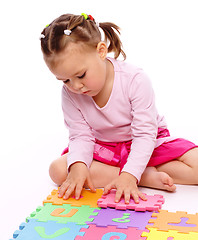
130 114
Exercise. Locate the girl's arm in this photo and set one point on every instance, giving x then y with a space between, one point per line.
81 138
144 125
81 147
144 128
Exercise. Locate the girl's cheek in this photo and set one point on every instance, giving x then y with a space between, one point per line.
72 90
69 87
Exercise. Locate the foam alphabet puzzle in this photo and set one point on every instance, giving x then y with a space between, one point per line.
82 219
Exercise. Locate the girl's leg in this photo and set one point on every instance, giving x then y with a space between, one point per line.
183 170
58 170
155 179
101 174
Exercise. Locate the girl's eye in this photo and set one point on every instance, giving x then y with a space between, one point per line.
66 81
82 75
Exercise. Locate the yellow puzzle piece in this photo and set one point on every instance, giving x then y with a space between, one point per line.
154 234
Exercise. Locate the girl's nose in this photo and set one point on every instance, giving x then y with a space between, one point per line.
77 85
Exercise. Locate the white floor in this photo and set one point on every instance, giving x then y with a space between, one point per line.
25 183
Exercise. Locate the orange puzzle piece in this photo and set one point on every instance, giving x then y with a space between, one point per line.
165 221
87 198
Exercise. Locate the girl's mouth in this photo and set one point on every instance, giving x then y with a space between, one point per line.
86 92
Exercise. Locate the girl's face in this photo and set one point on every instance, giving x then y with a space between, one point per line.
82 69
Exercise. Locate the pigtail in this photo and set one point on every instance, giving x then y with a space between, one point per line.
115 42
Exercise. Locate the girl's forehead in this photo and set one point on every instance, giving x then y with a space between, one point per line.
75 53
71 60
68 66
78 48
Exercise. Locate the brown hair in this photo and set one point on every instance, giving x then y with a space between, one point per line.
82 30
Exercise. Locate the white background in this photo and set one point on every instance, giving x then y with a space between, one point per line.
159 36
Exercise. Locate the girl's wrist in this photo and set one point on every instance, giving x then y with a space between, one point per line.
130 176
77 165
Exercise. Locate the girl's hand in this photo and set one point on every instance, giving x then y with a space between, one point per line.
126 184
78 175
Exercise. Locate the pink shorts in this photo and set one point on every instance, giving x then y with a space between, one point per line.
116 154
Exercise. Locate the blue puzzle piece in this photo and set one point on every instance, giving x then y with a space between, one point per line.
34 230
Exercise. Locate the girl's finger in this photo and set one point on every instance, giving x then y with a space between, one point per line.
118 195
78 191
127 196
142 196
135 197
69 191
63 189
90 184
108 187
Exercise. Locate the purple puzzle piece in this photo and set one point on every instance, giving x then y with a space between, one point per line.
121 219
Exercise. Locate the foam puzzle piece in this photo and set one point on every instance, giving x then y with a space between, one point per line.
110 233
155 234
121 219
164 220
153 203
87 198
63 214
34 230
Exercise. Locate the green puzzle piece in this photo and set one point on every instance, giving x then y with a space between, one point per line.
63 214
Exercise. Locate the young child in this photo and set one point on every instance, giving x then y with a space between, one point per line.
116 137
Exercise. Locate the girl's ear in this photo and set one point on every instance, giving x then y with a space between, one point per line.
102 50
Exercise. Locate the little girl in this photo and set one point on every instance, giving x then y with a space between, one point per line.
116 137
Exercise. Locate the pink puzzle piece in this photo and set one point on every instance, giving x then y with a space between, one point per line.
110 233
153 203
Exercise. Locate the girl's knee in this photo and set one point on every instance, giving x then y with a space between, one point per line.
58 170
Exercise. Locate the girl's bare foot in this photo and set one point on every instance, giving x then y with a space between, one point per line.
154 179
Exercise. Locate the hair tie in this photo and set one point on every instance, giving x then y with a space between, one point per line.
67 32
91 18
84 15
41 36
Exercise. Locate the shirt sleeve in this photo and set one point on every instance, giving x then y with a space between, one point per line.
81 139
144 125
